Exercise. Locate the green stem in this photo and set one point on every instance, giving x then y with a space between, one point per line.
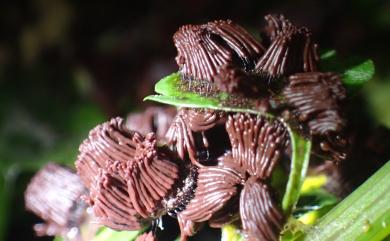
362 216
301 147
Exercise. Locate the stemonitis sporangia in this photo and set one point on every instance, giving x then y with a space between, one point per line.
215 164
54 193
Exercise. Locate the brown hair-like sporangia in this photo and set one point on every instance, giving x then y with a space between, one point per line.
54 194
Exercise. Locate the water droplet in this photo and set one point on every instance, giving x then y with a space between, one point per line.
384 224
366 226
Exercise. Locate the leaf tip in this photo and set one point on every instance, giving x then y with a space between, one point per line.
359 74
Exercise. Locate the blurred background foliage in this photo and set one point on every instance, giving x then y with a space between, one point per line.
67 65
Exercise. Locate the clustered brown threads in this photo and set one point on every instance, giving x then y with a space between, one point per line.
228 214
187 227
291 50
109 141
132 175
260 217
316 100
131 185
187 122
316 97
244 45
151 179
256 147
180 135
215 187
201 120
153 119
257 144
203 49
275 25
54 195
109 199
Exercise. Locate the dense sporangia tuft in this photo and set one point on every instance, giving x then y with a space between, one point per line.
153 119
128 177
291 49
316 98
54 194
203 49
260 216
257 143
188 126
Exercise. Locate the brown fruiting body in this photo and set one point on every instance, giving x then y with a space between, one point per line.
260 216
257 143
203 49
187 122
291 50
127 175
54 195
316 98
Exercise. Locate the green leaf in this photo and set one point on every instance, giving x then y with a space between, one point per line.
167 85
171 86
301 147
363 216
107 234
203 102
184 102
359 74
328 54
171 94
355 71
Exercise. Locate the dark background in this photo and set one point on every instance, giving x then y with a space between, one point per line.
67 65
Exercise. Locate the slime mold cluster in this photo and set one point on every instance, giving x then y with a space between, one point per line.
214 166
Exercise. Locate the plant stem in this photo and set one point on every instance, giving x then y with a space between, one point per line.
363 216
301 147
